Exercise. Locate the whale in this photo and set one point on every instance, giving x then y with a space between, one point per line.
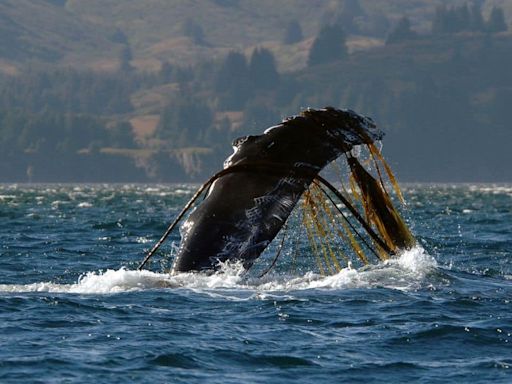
244 210
247 203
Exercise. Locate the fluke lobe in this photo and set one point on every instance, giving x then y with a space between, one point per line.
263 180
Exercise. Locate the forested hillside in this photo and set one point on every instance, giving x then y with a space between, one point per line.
116 90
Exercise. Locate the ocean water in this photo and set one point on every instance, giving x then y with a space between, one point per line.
73 308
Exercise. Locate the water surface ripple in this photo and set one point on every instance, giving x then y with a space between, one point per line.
73 308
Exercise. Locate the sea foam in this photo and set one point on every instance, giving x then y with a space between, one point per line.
406 272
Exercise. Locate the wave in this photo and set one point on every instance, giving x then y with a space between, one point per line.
409 271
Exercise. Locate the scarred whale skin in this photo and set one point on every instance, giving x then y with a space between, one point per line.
244 211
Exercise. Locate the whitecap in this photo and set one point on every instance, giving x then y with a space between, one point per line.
56 203
182 192
110 281
142 240
407 272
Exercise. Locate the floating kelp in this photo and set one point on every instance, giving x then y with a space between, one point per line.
269 176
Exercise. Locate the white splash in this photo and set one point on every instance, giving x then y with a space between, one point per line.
407 272
110 281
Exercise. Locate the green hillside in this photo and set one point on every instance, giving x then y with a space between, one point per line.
93 33
46 32
126 90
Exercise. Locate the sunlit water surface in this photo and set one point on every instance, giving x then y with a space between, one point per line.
73 308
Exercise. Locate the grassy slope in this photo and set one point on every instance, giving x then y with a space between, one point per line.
41 31
154 27
80 32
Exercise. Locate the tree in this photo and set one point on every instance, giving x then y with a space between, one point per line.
378 25
125 59
353 7
329 46
476 18
194 31
233 81
496 22
293 33
184 121
439 22
119 37
262 69
233 69
462 17
352 11
402 32
450 20
166 72
121 135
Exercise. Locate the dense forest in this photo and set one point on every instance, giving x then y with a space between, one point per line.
442 95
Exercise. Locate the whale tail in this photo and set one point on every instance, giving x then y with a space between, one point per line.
271 175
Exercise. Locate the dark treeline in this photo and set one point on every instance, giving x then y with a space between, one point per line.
443 99
67 90
466 17
54 146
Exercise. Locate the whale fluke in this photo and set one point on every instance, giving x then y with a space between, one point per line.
248 202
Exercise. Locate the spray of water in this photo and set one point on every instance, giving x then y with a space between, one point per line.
409 271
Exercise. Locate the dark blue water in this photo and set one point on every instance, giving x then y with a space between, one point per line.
72 308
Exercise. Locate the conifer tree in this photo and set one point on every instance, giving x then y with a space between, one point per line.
496 22
233 70
125 59
233 81
184 121
262 69
329 46
351 11
476 18
194 31
401 32
293 33
166 72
